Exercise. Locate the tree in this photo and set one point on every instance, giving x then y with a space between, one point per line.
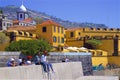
94 43
3 38
29 47
1 11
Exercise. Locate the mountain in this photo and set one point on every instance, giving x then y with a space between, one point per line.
10 11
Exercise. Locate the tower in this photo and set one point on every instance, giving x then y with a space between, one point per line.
22 13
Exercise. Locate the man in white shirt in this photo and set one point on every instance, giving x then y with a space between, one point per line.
44 61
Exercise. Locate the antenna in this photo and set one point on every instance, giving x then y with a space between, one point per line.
22 2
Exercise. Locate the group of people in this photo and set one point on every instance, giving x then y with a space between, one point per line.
20 62
38 60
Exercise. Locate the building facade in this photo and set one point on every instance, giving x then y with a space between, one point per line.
5 23
110 38
52 32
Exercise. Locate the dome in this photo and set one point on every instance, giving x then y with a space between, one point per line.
22 8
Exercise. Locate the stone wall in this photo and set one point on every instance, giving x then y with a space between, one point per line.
5 56
85 58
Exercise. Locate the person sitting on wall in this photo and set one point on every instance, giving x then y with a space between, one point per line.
28 62
23 63
65 59
11 63
37 61
45 62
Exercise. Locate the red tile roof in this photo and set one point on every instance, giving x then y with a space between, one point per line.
28 20
15 21
50 22
22 28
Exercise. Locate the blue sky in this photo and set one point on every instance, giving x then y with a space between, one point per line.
94 11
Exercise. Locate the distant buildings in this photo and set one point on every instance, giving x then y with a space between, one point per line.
23 19
4 22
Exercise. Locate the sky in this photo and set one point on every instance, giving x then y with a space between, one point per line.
92 11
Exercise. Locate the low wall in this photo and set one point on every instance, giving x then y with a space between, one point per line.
63 71
98 78
83 57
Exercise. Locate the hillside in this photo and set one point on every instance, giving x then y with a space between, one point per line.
10 11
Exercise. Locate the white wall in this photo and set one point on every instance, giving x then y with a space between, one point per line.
70 71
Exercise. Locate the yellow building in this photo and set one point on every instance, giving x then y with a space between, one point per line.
78 36
20 35
110 38
30 29
52 32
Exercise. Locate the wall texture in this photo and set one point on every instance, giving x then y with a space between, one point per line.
69 71
63 71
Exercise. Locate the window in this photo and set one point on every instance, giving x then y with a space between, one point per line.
104 29
25 34
79 33
54 28
98 28
99 54
62 40
21 16
58 39
58 29
20 33
91 28
71 34
4 24
111 29
54 39
62 30
44 29
118 29
30 35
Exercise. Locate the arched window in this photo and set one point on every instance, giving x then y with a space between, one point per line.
62 40
30 34
25 34
58 39
20 33
21 16
54 39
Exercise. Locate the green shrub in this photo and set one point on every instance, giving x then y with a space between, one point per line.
29 47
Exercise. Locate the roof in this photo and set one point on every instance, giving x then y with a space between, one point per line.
73 29
23 8
28 20
50 22
22 28
15 21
